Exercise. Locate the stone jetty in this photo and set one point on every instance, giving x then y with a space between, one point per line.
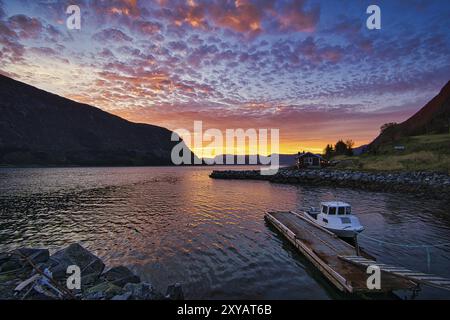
34 274
430 184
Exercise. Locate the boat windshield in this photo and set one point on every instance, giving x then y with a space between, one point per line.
341 210
348 210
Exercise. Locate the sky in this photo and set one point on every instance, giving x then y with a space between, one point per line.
311 69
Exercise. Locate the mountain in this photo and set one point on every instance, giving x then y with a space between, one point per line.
40 128
284 159
360 150
433 118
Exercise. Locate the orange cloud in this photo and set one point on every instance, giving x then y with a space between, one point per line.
244 16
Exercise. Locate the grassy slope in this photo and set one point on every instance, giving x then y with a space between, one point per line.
425 152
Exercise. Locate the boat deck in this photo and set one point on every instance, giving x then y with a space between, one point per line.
324 249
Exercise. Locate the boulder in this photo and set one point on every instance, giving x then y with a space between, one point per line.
142 291
104 290
11 264
20 258
175 292
4 257
125 296
34 255
91 266
120 276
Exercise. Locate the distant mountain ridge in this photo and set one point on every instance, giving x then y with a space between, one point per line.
434 117
40 128
284 159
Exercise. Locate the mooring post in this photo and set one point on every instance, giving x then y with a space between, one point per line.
355 239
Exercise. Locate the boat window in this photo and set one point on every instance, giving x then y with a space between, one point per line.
349 210
324 209
332 210
341 210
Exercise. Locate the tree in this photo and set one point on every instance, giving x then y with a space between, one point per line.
328 152
387 126
340 148
350 144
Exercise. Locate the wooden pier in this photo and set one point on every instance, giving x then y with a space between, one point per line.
326 251
415 276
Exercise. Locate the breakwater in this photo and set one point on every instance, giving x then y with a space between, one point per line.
435 185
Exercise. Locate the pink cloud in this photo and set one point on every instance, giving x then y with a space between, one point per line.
26 27
111 35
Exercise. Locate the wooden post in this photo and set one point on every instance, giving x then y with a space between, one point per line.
355 239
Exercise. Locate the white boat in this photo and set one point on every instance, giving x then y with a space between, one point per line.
337 217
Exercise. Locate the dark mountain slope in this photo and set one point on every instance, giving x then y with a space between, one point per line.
40 128
433 118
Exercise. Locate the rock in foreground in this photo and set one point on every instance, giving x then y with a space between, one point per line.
34 274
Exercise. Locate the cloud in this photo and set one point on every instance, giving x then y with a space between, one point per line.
293 16
27 27
240 16
146 27
111 35
177 46
115 8
55 35
346 26
2 11
201 54
246 17
11 50
45 51
418 81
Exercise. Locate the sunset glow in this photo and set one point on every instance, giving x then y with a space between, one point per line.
308 68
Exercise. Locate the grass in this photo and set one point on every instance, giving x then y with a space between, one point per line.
422 153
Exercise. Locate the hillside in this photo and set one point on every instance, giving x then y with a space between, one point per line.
421 143
40 128
433 118
421 153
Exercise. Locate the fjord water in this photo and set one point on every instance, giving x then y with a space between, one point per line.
173 224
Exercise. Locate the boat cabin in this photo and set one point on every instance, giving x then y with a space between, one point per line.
310 160
335 208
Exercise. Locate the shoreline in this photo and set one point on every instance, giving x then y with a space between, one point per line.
430 184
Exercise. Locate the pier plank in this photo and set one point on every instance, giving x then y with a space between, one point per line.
418 277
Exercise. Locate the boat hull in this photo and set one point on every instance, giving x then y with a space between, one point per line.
342 233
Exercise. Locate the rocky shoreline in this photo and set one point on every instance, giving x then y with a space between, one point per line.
34 274
429 184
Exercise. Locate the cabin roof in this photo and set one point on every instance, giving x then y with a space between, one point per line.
335 204
309 154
